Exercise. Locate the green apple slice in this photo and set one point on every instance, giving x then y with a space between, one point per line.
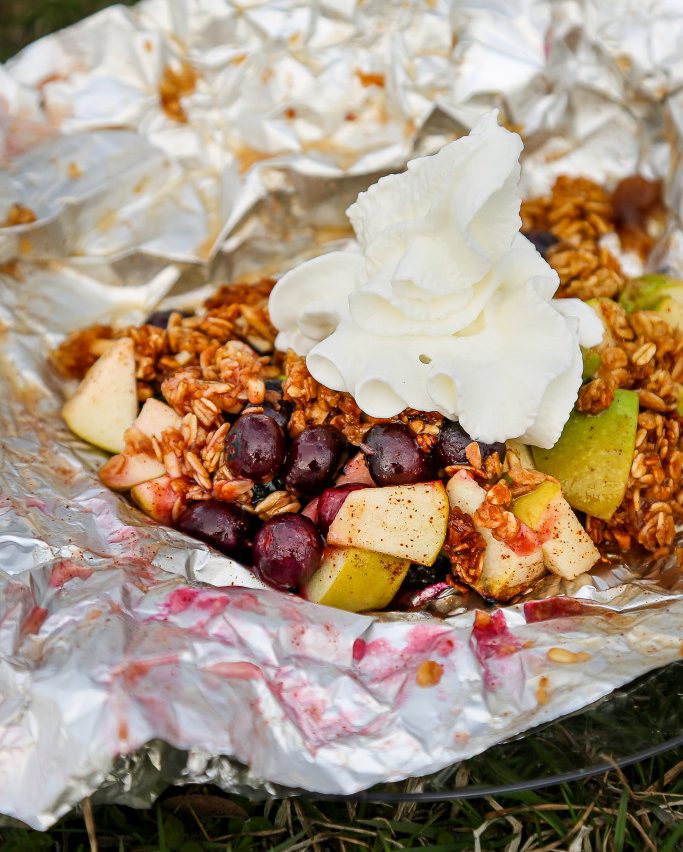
591 363
532 508
356 580
569 551
105 403
647 292
408 521
593 456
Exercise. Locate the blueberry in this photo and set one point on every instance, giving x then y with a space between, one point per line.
542 240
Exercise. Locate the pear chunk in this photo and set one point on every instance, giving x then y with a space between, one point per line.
407 521
356 580
105 403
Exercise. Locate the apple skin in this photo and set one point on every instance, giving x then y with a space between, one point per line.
532 508
356 580
156 498
407 521
105 403
356 470
592 459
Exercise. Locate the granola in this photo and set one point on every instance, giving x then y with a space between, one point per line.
221 363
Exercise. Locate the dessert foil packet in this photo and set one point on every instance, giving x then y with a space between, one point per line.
150 153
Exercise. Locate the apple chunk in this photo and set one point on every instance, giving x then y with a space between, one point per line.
592 459
356 580
532 508
569 551
156 417
156 498
125 470
505 573
105 403
408 521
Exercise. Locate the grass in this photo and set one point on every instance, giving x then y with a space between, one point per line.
621 810
24 21
639 808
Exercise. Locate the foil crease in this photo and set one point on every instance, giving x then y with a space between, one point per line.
131 656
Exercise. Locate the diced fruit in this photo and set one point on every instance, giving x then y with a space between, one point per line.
408 521
156 417
672 311
330 502
224 526
647 292
356 580
124 470
523 453
593 456
569 551
608 311
532 508
287 551
160 318
452 442
465 493
504 573
310 510
591 363
541 240
105 403
156 498
313 459
656 292
356 470
280 415
394 457
255 447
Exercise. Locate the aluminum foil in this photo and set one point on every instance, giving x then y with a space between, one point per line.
131 656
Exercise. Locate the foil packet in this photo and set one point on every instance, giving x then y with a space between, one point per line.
183 142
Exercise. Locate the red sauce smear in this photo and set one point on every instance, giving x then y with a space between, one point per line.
491 636
34 621
546 610
66 570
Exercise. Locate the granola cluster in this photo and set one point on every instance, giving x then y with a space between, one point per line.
316 405
216 364
197 344
640 351
578 213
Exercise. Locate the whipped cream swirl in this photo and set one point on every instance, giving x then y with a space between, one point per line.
445 306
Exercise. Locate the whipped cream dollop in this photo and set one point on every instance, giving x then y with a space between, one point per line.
445 306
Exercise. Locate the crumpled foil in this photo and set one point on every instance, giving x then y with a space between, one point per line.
131 656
